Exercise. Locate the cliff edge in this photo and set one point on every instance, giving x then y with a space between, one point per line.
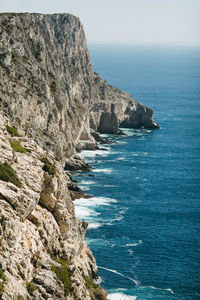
48 87
52 105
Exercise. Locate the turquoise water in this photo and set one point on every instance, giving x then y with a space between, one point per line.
144 218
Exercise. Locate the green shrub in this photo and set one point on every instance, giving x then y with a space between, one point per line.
2 289
48 166
63 275
31 287
92 296
12 131
8 174
3 278
2 275
90 283
53 87
18 148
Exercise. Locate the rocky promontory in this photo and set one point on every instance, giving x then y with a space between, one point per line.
52 105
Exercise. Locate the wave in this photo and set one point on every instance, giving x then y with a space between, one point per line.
117 219
84 188
86 182
121 142
94 201
84 212
120 296
94 225
92 153
160 289
134 244
107 171
121 158
120 274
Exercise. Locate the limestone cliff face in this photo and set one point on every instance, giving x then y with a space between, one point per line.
48 87
50 94
40 237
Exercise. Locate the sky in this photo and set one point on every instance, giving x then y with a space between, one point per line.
125 21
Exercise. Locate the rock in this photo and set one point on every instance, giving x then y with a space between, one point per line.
48 88
77 164
52 105
38 227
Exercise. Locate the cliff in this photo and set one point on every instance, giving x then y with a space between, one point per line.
48 87
49 93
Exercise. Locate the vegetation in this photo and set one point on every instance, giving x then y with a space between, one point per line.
96 292
31 287
18 148
48 166
53 87
90 283
8 174
2 275
63 275
2 281
12 131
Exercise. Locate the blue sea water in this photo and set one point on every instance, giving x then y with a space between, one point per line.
144 217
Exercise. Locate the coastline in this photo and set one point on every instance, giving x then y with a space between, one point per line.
92 209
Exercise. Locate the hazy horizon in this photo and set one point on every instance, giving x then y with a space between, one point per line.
138 22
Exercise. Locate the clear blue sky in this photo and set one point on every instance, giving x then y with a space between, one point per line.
125 21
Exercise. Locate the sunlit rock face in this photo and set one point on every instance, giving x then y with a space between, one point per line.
49 89
50 94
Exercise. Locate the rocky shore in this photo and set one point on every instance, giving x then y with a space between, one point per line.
52 105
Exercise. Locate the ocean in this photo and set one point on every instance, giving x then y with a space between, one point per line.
144 217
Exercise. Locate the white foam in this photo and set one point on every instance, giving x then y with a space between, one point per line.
84 188
94 201
134 244
86 182
93 153
120 274
121 142
120 296
160 289
84 212
130 252
107 171
94 225
120 158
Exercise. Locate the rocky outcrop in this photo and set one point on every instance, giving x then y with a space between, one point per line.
48 88
39 233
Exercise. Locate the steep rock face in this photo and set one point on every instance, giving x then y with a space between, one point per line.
48 87
49 92
38 228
